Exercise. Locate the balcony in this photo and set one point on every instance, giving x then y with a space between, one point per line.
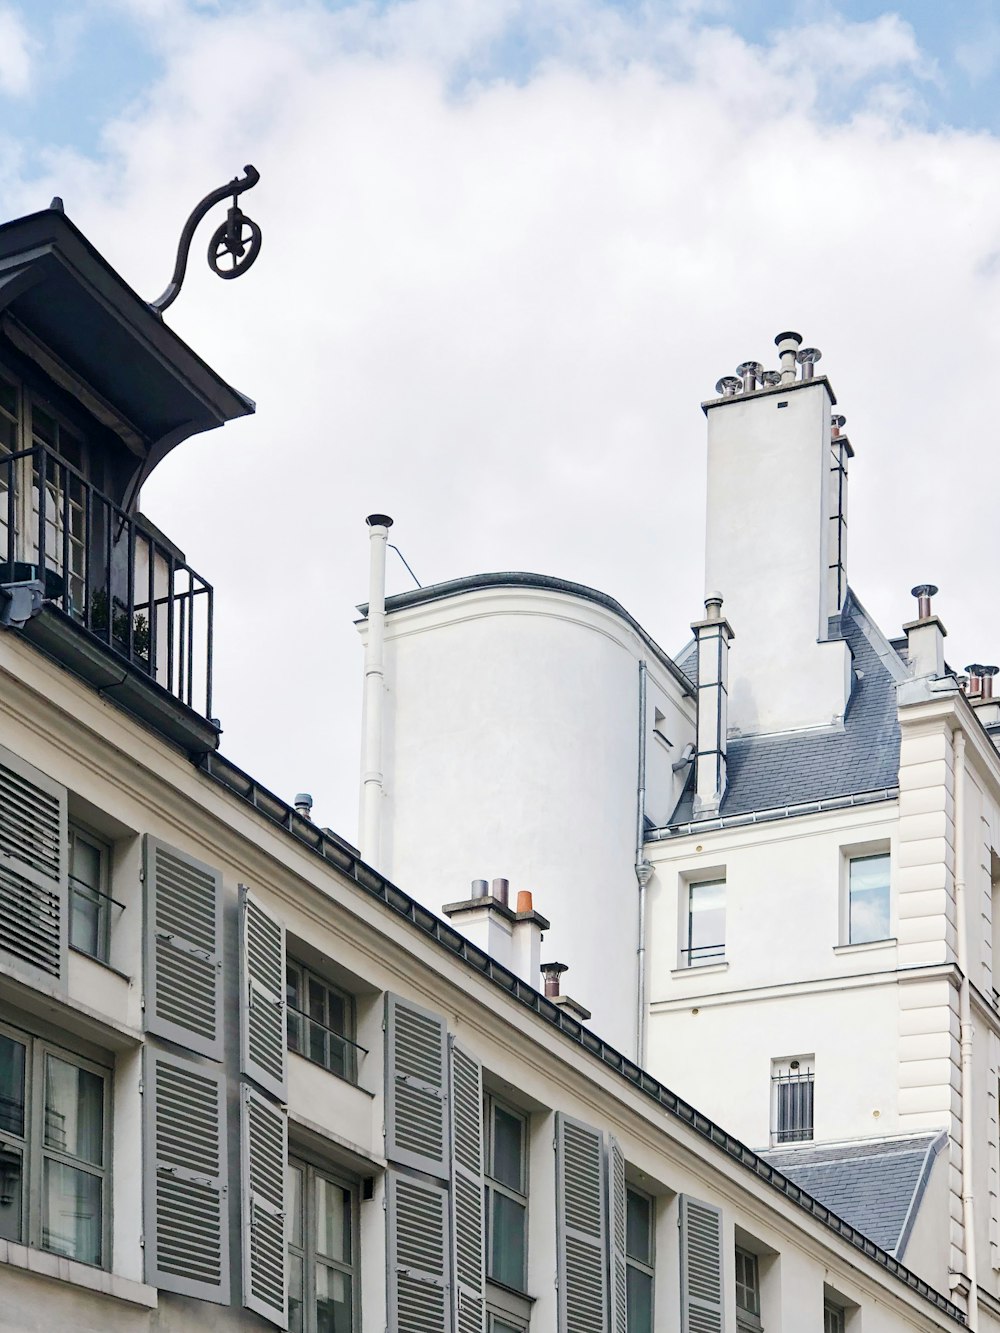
120 607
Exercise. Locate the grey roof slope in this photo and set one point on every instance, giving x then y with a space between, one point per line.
876 1186
771 772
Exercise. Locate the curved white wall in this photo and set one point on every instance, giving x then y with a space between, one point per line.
511 749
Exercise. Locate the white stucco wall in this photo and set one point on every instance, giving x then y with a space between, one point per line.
511 749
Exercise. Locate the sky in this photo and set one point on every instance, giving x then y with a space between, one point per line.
509 246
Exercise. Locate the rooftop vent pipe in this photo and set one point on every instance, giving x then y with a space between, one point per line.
807 359
729 386
974 688
923 592
480 888
750 371
988 672
837 424
304 804
501 891
770 379
787 345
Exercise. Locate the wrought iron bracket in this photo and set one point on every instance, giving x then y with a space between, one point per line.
234 245
19 602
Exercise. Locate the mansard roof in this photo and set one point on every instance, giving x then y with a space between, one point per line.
860 758
876 1185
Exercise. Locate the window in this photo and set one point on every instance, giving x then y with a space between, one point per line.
321 1224
834 1318
639 1261
501 1324
89 903
747 1292
506 1177
868 899
53 1149
792 1100
320 1022
706 923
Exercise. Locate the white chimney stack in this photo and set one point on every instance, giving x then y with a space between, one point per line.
925 636
713 635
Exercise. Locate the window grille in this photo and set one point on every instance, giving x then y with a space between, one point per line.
792 1101
320 1023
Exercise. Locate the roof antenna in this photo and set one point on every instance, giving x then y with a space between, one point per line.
234 245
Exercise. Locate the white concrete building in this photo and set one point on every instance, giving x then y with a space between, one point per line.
245 1080
769 863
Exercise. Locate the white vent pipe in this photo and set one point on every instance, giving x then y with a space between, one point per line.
374 696
965 1030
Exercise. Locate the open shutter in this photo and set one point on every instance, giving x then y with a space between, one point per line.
262 992
34 920
416 1088
419 1255
183 946
701 1267
468 1232
264 1145
617 1220
581 1232
187 1210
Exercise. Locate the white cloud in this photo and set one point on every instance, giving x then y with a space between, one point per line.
15 55
491 305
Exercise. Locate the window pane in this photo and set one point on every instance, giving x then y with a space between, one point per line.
86 862
11 1177
507 1240
337 1013
707 922
869 899
747 1289
333 1220
71 1212
11 1086
638 1227
508 1138
317 1000
293 1202
334 1305
74 1110
294 1293
639 1293
85 921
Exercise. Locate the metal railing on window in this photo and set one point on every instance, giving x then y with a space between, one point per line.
792 1094
323 1045
704 953
105 571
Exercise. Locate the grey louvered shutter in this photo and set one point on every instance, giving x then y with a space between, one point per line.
416 1088
183 948
264 1152
617 1218
581 1228
262 996
702 1308
419 1255
34 920
468 1232
186 1177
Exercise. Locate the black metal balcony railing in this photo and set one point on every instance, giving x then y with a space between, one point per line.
103 569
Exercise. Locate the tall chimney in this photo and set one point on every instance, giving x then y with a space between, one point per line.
776 544
374 695
713 635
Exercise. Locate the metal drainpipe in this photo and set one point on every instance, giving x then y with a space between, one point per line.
965 1020
371 792
643 870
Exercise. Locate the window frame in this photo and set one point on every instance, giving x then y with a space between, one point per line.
794 1069
35 1153
493 1187
300 1015
311 1259
830 1307
686 960
77 830
748 1320
857 855
633 1262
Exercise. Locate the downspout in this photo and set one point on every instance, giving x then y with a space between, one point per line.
965 1020
374 695
643 873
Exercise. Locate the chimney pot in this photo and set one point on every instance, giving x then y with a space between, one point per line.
729 386
713 606
923 592
987 673
501 891
524 901
552 972
304 804
750 372
379 521
837 423
480 888
787 343
807 358
975 685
